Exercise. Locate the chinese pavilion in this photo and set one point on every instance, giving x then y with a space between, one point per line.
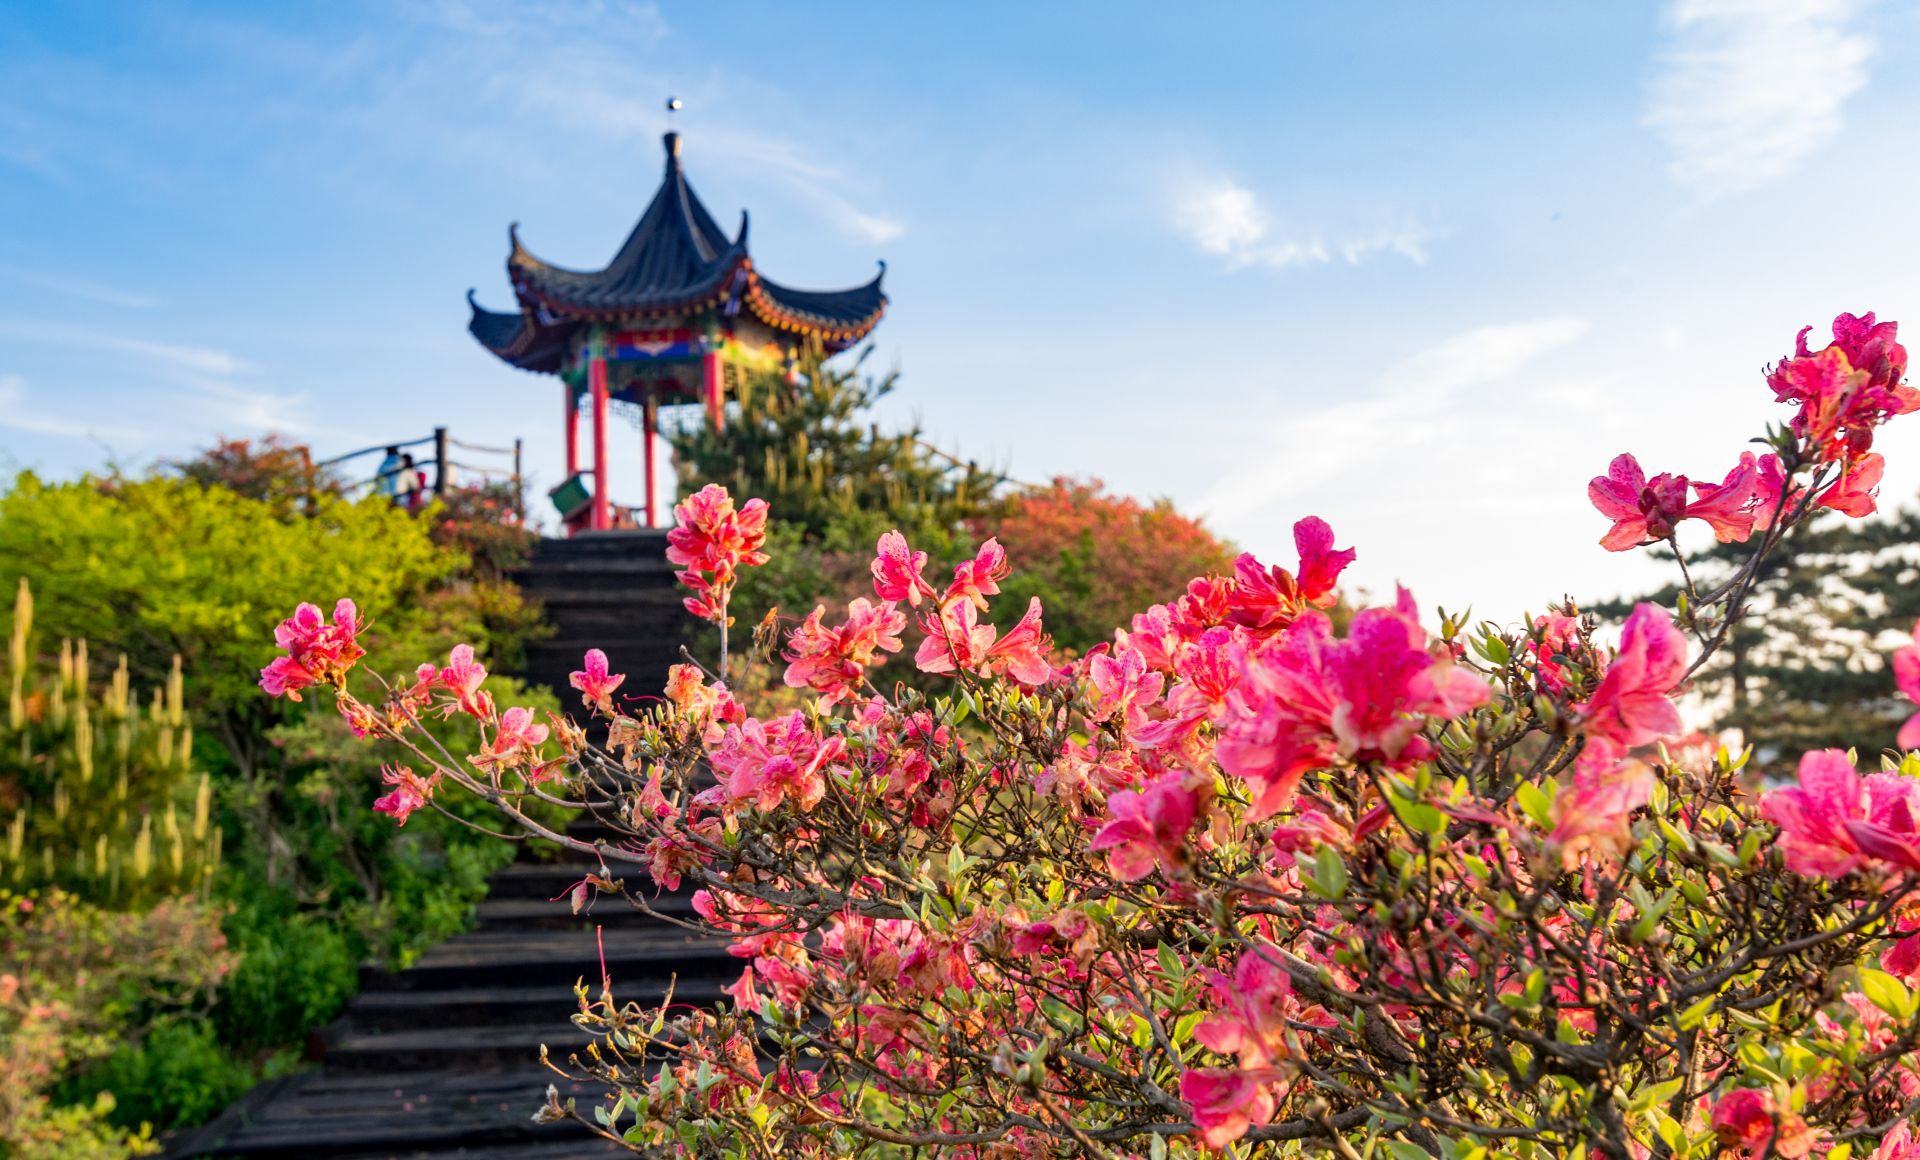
679 315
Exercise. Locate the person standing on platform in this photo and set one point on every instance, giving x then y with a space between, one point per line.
386 481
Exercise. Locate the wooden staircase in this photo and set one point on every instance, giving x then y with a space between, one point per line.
613 591
442 1059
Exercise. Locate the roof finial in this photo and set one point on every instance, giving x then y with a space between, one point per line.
672 139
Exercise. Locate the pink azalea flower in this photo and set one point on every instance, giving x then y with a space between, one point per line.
1022 652
1228 1102
1834 821
896 571
463 677
316 651
1306 700
1631 707
1847 389
976 579
711 542
1853 494
956 641
1902 960
1558 636
1641 509
410 792
1121 679
514 739
1148 829
1906 675
766 763
1253 1008
1728 507
1776 499
1591 815
1265 600
1746 1121
1320 565
595 683
834 661
1903 1143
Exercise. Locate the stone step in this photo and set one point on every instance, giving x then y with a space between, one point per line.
438 1113
530 958
546 1007
528 914
469 1047
544 881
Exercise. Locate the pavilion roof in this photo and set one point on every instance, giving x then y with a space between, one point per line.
677 261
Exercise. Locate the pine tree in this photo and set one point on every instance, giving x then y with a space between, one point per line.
812 451
1835 600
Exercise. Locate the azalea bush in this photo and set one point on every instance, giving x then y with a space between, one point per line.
1235 880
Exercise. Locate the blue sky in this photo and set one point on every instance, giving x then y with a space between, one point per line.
1419 269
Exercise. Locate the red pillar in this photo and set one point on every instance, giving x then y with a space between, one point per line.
602 515
573 429
649 426
711 388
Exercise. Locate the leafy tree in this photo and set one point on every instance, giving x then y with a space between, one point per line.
274 470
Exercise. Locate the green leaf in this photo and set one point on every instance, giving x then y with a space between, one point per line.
1418 816
1535 802
1695 1014
1887 993
1330 873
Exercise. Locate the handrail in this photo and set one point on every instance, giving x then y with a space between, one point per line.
476 447
370 451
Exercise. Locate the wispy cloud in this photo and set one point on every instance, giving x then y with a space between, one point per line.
17 415
235 407
1413 405
1225 218
555 64
79 288
205 360
1747 89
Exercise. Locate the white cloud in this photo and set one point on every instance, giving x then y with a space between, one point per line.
1225 218
556 65
241 407
1747 89
1413 405
1221 217
201 359
15 414
81 288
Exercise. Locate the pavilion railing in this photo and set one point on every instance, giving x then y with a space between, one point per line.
506 464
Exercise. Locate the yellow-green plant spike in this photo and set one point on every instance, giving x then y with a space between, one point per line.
83 740
117 692
176 694
143 848
202 807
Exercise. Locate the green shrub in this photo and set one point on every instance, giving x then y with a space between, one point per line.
179 1073
295 974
